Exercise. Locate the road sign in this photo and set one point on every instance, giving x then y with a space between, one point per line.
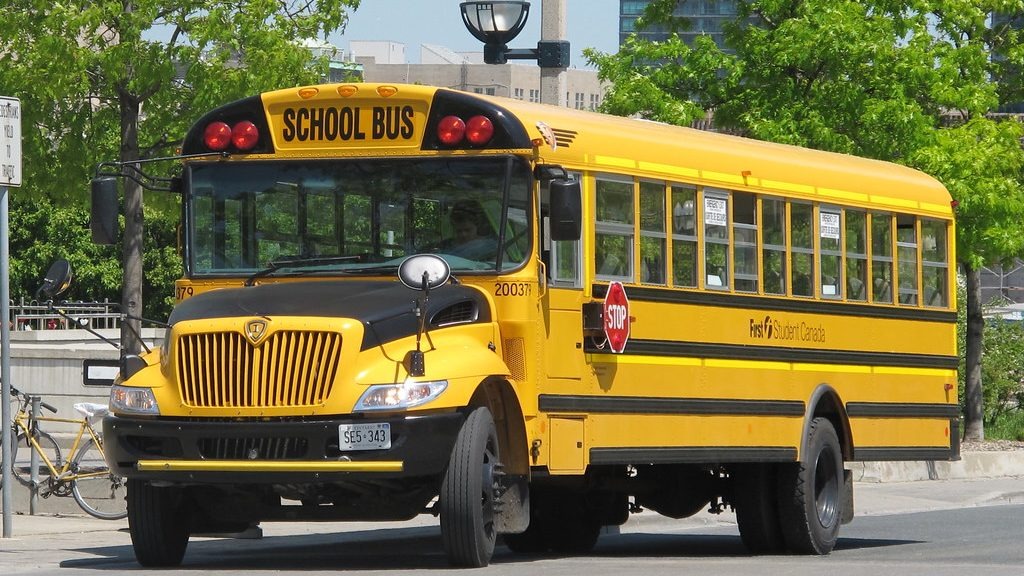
616 317
10 141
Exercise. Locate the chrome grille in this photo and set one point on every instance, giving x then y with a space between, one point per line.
288 369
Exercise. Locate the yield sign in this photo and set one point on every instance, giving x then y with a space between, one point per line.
616 317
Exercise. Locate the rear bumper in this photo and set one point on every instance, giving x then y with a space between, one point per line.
274 452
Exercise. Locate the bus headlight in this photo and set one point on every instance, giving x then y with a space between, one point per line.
400 396
131 400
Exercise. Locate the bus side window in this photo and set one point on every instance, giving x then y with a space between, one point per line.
613 242
773 217
830 244
684 236
716 238
856 255
744 235
881 258
934 263
652 232
906 257
802 256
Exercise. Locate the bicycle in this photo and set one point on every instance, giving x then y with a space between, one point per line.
86 476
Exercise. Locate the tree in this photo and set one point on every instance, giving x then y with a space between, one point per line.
907 81
85 68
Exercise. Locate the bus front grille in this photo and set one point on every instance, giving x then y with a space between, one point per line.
287 369
253 448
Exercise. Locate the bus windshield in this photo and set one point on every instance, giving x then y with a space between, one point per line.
358 216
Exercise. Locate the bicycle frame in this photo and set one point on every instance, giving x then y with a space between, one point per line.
24 421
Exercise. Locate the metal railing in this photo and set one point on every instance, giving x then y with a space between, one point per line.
33 315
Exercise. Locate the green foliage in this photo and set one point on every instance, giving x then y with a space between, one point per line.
1003 367
104 80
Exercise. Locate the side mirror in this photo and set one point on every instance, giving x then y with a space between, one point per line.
57 280
566 210
103 218
424 272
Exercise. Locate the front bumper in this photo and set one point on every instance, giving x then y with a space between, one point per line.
274 451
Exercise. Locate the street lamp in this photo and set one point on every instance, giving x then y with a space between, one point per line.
497 23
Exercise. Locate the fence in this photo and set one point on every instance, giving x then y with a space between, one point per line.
34 315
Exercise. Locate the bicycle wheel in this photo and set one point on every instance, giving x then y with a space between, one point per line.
97 491
22 469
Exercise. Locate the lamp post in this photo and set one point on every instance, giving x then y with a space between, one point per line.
496 23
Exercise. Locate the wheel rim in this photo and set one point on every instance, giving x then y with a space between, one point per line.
487 488
826 488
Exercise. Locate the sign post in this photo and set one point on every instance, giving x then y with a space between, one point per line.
10 175
616 317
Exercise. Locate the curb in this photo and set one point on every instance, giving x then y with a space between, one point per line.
970 465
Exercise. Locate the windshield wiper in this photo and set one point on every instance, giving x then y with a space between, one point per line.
275 265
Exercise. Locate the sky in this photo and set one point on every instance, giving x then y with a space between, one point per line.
590 24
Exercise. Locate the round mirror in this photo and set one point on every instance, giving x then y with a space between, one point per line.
414 270
57 280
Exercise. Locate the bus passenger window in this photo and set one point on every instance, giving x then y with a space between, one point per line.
773 217
744 234
934 263
830 242
652 232
684 236
802 258
856 256
613 242
906 255
716 239
881 258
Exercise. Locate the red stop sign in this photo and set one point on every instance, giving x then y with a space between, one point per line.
616 317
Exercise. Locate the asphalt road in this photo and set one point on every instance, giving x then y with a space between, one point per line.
939 528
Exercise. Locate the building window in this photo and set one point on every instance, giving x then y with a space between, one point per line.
595 101
579 100
518 93
534 95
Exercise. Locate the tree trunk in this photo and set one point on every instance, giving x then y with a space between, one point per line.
131 295
974 424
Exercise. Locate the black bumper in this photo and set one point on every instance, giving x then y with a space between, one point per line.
422 444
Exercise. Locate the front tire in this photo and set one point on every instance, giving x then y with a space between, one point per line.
467 493
810 493
158 520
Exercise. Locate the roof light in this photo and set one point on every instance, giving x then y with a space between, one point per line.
245 135
451 130
217 136
479 130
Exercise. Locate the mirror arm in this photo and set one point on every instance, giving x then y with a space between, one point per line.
74 322
130 169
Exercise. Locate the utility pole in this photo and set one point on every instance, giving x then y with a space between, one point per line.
552 28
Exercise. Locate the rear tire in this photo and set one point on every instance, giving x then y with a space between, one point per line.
23 470
755 498
810 493
103 495
467 493
158 520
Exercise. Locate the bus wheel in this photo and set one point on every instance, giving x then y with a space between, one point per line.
158 521
467 493
755 497
810 491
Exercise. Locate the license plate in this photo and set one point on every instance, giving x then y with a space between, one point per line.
374 436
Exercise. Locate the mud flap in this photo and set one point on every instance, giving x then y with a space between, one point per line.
512 510
847 497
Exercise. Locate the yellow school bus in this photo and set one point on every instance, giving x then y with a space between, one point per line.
531 322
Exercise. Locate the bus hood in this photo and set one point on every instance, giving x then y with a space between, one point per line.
384 307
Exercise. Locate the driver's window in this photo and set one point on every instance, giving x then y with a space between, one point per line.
565 256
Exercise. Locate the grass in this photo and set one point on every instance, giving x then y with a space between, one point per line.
1009 426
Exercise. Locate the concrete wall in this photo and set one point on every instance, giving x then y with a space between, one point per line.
50 363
